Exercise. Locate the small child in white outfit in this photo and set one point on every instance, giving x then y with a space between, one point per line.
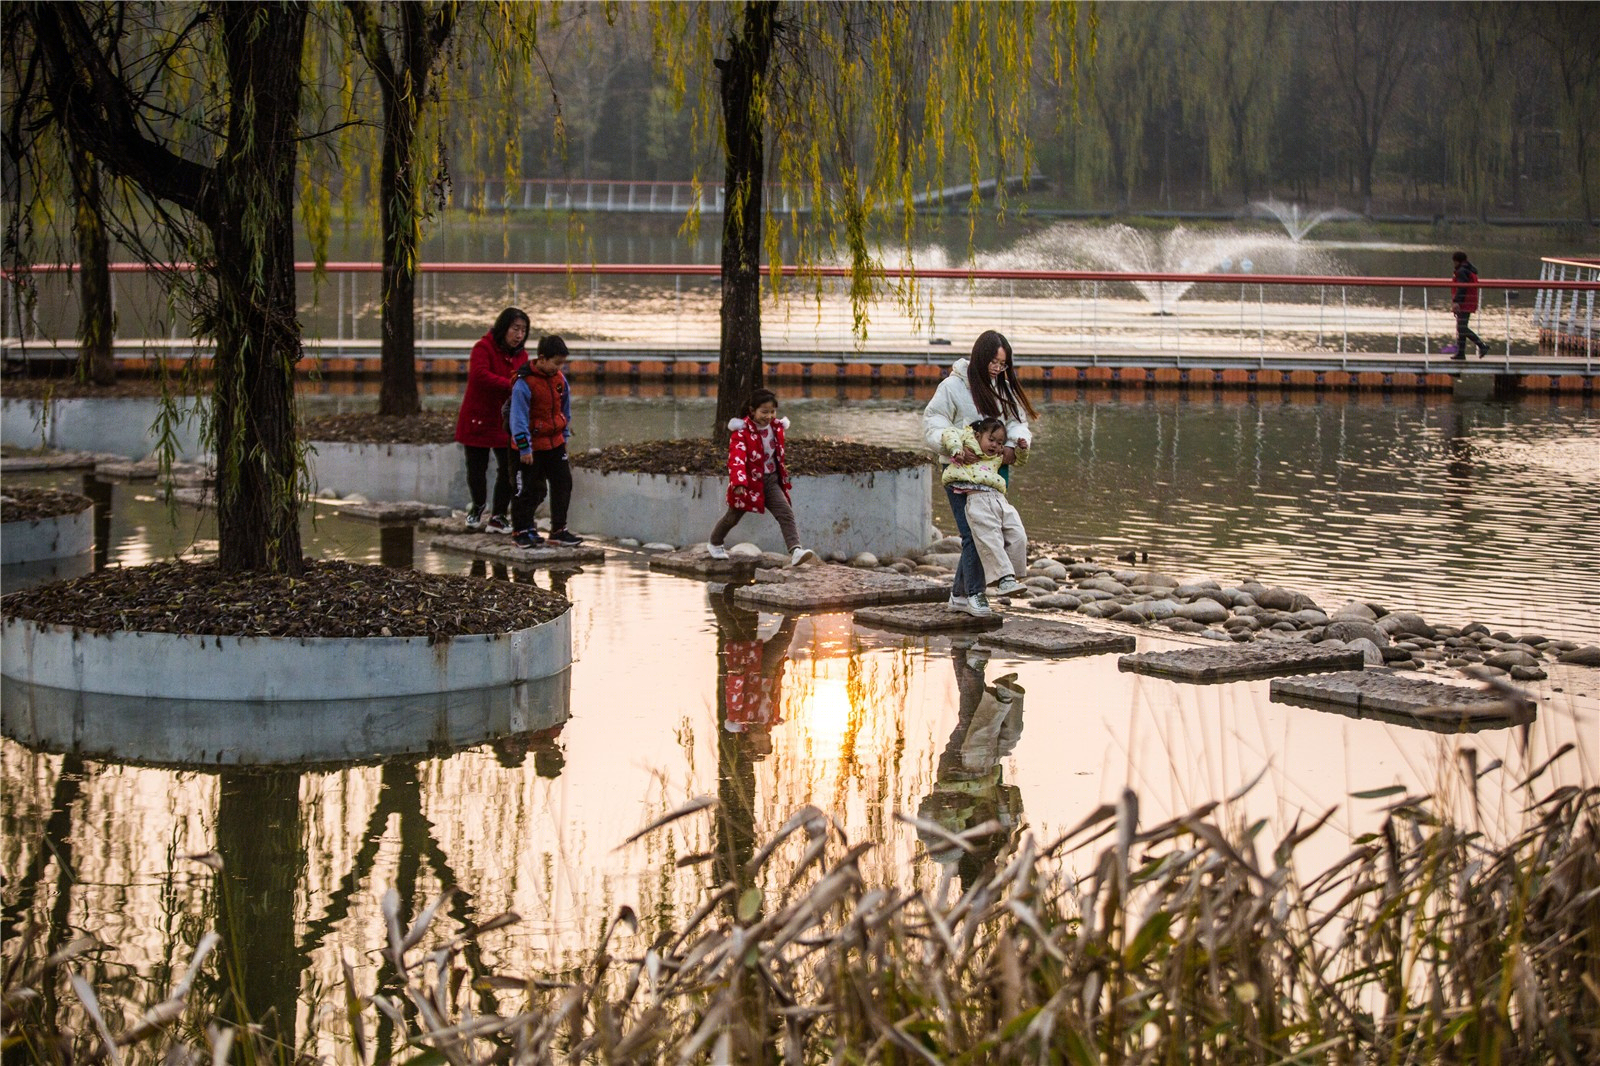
996 526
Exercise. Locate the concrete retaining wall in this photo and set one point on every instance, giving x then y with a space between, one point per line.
60 537
885 512
178 666
192 733
427 473
118 426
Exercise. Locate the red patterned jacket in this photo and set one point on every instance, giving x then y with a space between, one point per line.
747 463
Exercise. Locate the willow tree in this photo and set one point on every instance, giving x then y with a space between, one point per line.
1232 85
197 107
1370 48
853 110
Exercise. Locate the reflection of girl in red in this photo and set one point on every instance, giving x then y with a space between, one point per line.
752 671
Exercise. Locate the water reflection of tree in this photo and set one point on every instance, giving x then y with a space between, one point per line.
969 789
55 842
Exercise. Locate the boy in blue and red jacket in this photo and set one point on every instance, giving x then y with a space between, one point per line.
541 420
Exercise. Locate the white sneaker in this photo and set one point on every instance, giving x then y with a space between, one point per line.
977 605
956 602
475 519
716 551
801 556
1007 586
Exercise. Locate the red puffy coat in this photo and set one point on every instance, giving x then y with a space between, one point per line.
1464 301
754 698
491 371
747 464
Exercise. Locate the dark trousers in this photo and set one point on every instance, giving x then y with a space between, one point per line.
777 506
1464 333
478 476
969 571
548 468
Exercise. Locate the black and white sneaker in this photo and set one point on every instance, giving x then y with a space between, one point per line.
498 524
564 536
474 520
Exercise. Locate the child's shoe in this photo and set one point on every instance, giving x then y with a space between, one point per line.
1007 586
564 537
474 519
498 524
716 551
528 538
801 556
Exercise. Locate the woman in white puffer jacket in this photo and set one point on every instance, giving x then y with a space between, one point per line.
984 385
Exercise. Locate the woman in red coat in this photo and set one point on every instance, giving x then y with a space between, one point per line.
491 371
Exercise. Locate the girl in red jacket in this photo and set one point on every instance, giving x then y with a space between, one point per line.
757 478
491 370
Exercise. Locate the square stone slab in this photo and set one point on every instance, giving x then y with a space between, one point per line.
1047 637
395 511
501 550
694 562
925 618
1236 662
1405 700
827 587
17 464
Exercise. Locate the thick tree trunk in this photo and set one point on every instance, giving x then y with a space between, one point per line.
95 313
402 239
257 335
743 75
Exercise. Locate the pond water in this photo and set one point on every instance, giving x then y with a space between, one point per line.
1460 510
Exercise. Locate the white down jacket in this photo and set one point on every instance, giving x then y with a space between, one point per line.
952 408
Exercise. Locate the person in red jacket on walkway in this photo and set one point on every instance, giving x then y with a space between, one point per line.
541 421
491 370
1464 301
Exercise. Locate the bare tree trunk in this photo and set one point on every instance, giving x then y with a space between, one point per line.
95 314
258 335
402 240
744 70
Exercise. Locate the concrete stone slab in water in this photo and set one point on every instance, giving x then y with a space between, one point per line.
925 618
1405 700
18 464
1235 662
1048 637
399 511
694 562
821 587
501 550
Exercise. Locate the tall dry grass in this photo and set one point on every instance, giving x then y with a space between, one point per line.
1186 942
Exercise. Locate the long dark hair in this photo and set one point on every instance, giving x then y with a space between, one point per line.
996 399
503 323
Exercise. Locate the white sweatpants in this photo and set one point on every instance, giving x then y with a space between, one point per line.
997 533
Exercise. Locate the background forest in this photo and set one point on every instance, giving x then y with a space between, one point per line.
1473 110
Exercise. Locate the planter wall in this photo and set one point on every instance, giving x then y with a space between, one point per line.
192 733
188 667
427 473
59 537
884 512
114 425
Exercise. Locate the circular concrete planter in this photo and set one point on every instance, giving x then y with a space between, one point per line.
427 473
192 667
192 734
60 537
886 512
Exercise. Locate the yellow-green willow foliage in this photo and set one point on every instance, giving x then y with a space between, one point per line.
866 108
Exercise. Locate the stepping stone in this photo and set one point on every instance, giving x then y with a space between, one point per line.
1047 637
826 587
21 464
694 562
1404 700
394 511
1235 662
501 550
925 618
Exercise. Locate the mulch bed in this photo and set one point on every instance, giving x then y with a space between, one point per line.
30 505
332 599
364 427
806 457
